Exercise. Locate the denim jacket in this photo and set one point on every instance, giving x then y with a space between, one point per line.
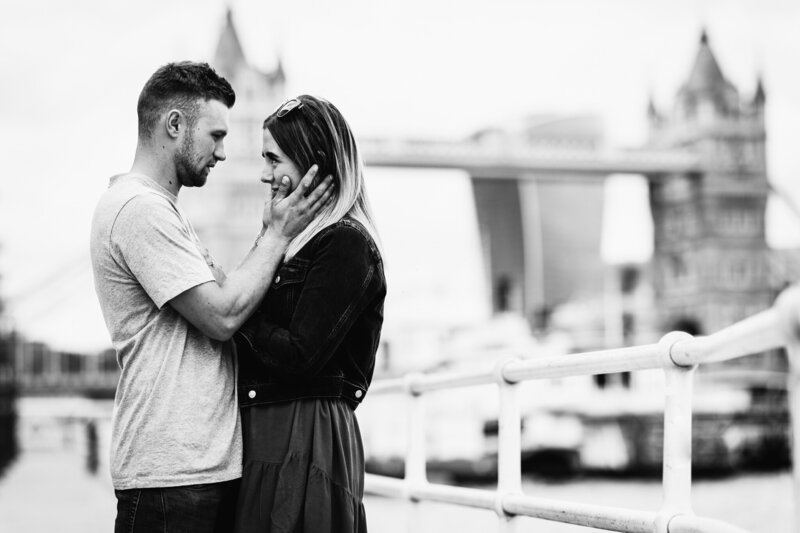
316 332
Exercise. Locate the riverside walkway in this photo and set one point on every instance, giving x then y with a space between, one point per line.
51 491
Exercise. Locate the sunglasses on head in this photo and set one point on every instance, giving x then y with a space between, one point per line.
288 106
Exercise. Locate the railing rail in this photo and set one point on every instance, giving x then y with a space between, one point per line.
678 354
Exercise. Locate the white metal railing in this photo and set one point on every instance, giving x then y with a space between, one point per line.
677 353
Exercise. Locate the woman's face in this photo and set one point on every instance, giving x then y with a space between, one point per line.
277 164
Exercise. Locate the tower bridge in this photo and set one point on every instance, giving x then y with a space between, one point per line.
538 199
706 172
538 196
556 160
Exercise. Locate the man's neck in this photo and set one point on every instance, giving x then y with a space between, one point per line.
158 167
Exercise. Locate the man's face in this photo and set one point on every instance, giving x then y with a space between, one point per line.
201 145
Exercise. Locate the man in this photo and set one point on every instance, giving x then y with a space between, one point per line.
176 445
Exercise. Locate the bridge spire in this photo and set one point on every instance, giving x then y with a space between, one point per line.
653 115
760 97
229 57
707 92
703 36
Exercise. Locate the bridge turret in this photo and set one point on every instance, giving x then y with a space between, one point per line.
710 254
278 75
758 103
229 57
760 97
655 119
225 225
707 95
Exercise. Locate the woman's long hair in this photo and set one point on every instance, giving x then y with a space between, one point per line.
316 132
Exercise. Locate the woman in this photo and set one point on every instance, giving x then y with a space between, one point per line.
306 357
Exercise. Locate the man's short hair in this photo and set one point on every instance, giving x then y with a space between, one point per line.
179 86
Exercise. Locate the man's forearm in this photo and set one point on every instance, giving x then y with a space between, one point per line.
218 309
245 287
253 248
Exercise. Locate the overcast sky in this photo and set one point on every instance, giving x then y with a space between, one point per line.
424 68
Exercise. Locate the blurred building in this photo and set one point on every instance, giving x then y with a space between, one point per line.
541 232
41 371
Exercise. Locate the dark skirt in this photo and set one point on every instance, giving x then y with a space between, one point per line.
303 469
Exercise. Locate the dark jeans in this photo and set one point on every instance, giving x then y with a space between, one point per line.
207 508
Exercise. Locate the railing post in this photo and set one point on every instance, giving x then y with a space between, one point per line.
416 463
677 473
509 452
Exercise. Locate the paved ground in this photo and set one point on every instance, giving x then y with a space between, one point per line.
47 492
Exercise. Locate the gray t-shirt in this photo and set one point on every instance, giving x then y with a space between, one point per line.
176 420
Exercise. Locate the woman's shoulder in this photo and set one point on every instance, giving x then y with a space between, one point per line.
350 233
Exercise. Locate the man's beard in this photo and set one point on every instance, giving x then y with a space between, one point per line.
186 164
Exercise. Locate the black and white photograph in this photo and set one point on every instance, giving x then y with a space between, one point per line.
402 267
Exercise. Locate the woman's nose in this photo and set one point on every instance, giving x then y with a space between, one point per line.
266 175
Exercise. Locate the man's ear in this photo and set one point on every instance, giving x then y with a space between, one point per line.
174 123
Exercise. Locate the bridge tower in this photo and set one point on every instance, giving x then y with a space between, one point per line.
257 92
226 212
710 260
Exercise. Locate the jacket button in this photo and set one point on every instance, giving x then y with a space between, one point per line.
359 394
278 278
252 394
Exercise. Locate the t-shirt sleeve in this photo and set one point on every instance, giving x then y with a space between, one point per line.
152 242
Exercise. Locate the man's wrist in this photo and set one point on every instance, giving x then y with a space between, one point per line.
260 235
272 239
